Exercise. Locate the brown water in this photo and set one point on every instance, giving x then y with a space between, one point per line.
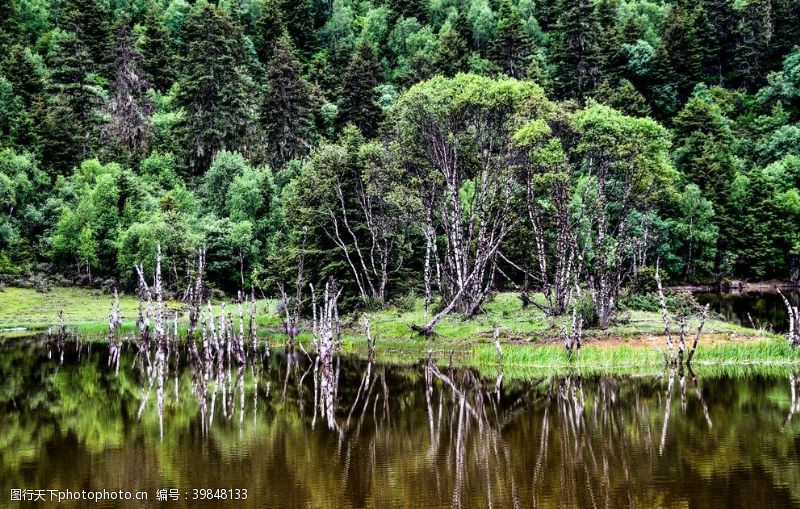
372 435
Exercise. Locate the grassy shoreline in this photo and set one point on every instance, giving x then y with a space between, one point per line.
529 338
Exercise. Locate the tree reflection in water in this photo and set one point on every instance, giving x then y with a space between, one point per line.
348 432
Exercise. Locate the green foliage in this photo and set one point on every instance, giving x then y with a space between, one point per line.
216 90
126 124
359 105
286 110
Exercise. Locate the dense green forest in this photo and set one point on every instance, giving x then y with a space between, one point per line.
442 148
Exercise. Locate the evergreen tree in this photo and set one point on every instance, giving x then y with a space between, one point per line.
452 52
129 106
574 55
359 96
547 13
722 21
511 49
298 17
26 75
9 24
269 29
609 47
216 92
786 30
683 53
703 147
156 52
410 9
71 122
623 97
753 37
90 22
286 111
704 153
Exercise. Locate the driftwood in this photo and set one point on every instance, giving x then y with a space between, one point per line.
672 356
573 338
114 324
326 329
292 306
496 339
793 335
370 340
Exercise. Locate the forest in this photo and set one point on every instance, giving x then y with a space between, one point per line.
436 149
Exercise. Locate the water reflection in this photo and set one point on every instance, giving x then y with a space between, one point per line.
759 310
301 432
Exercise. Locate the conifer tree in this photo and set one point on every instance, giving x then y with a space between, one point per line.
684 52
721 38
410 9
753 37
71 122
9 25
90 22
511 48
128 106
269 30
609 45
298 18
575 49
452 52
286 111
216 92
359 104
26 75
786 30
156 52
547 13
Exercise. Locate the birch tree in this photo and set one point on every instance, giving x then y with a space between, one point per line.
624 167
358 198
455 139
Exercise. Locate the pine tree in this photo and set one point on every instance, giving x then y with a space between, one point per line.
298 17
25 74
410 9
722 22
684 52
90 22
623 97
72 121
269 29
546 13
704 153
129 106
286 111
359 104
156 52
753 36
216 92
452 52
575 49
511 48
610 57
786 30
9 26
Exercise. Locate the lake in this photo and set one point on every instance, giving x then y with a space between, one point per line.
287 432
766 309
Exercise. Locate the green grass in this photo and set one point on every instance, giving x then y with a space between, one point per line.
86 311
529 337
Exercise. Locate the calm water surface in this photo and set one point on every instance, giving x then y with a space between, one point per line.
362 434
766 309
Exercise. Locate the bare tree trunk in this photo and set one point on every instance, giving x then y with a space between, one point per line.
794 321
